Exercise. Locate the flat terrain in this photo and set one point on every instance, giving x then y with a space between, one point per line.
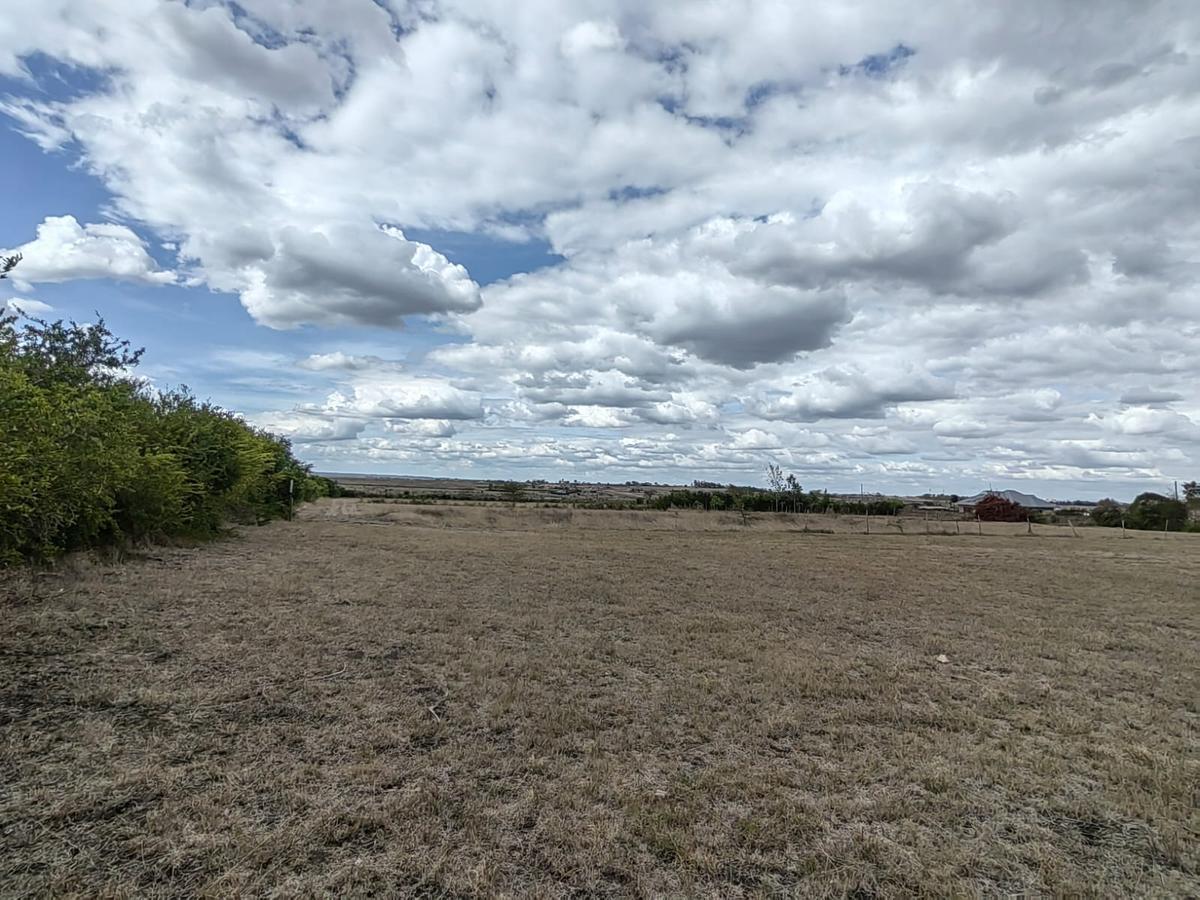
414 701
473 490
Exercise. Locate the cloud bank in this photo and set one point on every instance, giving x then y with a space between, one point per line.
901 243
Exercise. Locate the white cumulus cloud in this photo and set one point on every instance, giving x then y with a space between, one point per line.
64 250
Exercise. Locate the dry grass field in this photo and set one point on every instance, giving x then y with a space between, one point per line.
419 702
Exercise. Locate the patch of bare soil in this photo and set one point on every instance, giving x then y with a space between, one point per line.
590 708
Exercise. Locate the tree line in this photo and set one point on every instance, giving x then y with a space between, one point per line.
785 494
1149 511
91 457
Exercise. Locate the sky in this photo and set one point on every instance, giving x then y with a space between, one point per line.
916 247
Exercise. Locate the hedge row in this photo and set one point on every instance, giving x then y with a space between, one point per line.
91 457
753 500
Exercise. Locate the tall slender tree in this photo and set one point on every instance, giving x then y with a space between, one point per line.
776 482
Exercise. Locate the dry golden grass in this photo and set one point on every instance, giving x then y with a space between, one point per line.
517 705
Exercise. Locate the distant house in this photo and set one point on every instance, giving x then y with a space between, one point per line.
1025 501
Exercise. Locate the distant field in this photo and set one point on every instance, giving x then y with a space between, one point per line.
482 490
479 701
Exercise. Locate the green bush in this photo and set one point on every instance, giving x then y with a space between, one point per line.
1108 513
89 457
1148 512
1155 512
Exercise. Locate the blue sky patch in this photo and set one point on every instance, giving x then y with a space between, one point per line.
487 259
878 65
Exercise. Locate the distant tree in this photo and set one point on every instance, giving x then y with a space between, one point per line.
1191 490
1152 511
776 482
795 493
513 491
1107 512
